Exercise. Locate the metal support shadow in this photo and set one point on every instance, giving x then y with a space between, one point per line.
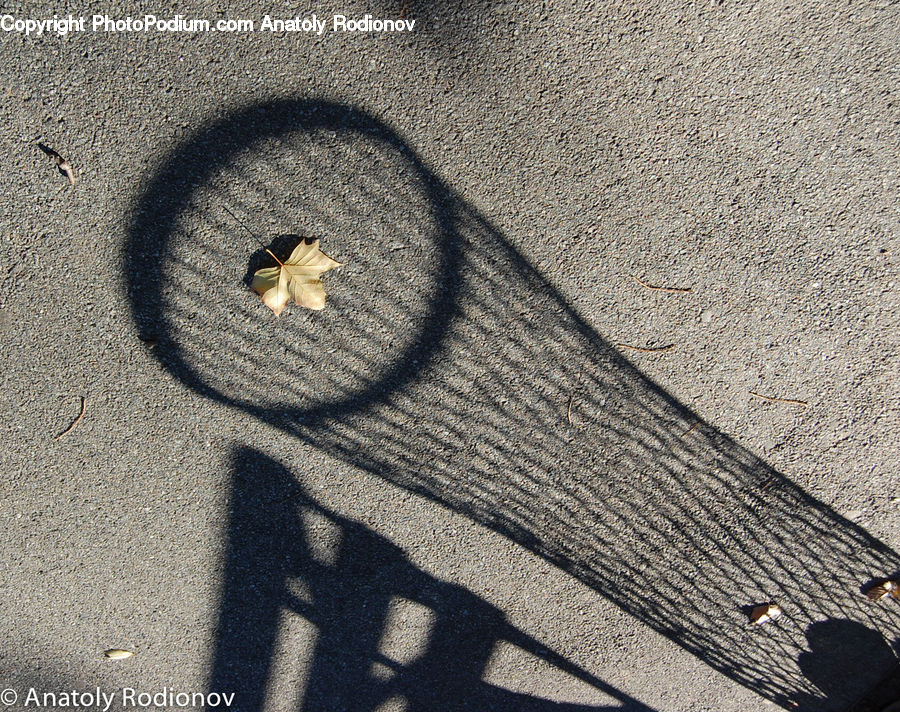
446 364
286 553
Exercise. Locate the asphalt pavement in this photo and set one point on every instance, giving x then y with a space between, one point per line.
612 357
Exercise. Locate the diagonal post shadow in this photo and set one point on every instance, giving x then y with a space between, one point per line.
446 364
274 564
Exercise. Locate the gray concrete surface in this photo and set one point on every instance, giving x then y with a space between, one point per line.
747 151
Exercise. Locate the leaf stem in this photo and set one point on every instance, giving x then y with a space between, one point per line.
274 257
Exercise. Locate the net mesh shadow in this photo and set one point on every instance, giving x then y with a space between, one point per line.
446 364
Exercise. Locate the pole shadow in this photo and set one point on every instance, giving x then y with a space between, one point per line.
446 364
286 553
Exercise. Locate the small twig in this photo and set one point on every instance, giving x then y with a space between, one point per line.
76 421
768 483
690 429
779 400
672 290
569 410
647 349
61 163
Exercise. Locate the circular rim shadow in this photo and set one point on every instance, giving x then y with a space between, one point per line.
193 163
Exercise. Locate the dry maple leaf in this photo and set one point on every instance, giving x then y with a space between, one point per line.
296 278
61 163
765 613
883 589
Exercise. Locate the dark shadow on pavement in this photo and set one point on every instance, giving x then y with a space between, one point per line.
845 656
288 554
446 364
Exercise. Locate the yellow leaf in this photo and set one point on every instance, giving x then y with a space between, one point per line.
764 613
883 589
296 278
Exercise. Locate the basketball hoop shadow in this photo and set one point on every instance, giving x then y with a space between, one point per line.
446 364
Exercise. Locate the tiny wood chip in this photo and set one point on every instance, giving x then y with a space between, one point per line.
117 654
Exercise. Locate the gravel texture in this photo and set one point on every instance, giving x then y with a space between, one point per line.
455 488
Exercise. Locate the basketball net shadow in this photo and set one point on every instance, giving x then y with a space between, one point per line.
446 364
